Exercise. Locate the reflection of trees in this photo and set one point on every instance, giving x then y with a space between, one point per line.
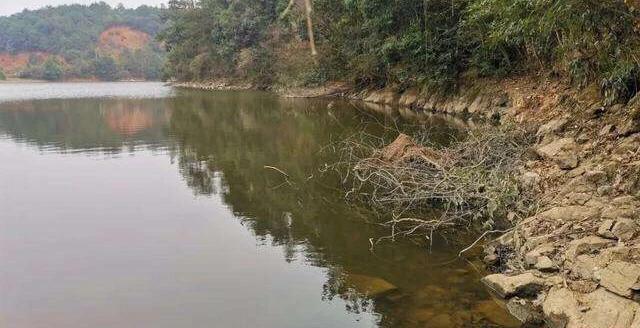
86 124
225 141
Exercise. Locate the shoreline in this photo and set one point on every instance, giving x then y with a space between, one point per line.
576 262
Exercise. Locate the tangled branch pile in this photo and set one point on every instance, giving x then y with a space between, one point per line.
472 180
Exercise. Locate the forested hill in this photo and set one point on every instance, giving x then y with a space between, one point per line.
405 43
77 41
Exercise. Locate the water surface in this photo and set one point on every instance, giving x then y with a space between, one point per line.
135 205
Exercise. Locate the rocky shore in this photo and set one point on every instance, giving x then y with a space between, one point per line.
575 262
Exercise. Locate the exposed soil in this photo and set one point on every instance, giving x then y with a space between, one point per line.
114 40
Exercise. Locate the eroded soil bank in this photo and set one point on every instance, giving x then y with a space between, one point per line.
576 261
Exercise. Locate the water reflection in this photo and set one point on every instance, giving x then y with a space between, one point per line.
260 155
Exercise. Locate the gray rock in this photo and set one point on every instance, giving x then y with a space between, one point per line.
523 285
564 152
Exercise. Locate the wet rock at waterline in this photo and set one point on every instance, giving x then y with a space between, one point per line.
370 286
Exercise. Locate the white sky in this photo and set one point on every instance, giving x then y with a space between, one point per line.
8 7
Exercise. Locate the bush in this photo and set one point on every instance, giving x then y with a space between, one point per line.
2 76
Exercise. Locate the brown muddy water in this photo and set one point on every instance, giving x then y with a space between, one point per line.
136 205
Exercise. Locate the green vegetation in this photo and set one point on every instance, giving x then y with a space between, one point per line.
71 33
405 43
2 76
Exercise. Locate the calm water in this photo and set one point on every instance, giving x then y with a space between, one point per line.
135 205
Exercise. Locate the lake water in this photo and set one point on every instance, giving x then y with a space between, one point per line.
136 205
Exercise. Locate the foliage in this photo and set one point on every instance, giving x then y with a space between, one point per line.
71 32
52 71
2 76
407 42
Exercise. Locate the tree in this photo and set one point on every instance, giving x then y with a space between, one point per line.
2 76
52 71
106 68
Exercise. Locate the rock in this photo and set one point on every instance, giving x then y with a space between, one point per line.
530 180
371 286
599 309
523 285
586 245
630 127
531 257
545 264
553 126
607 130
493 312
569 213
404 149
624 229
442 320
620 277
604 230
423 314
561 309
596 176
564 152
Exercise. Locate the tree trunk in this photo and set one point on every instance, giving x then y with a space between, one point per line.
312 40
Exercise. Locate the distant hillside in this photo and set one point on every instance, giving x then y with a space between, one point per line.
77 41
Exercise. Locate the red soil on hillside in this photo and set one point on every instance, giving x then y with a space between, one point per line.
116 39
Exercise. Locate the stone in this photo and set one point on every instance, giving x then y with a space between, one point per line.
586 245
607 130
569 213
624 229
523 285
596 176
553 126
371 286
493 312
629 127
607 310
423 314
531 258
561 309
545 264
621 278
530 180
564 152
604 230
442 320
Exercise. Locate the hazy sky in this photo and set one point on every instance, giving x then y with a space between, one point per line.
8 7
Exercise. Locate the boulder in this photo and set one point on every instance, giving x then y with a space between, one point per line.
523 285
620 277
598 309
563 152
586 245
404 149
604 230
371 286
569 213
553 126
545 264
493 312
625 229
